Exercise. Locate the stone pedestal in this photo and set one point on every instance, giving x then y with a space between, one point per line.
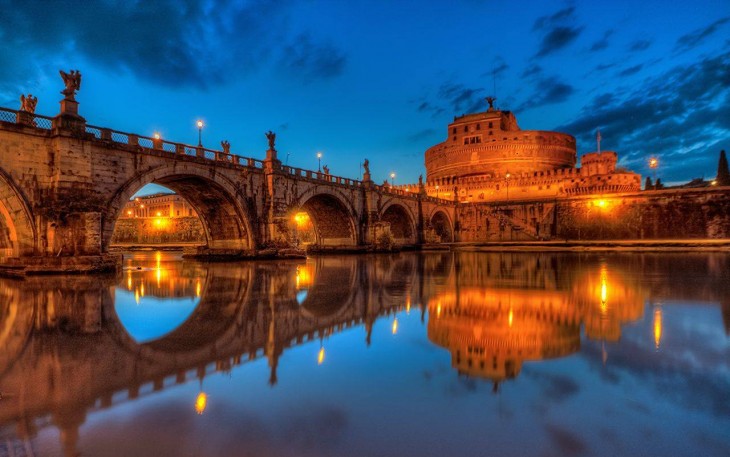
25 118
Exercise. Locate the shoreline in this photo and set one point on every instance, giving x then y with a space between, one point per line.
721 245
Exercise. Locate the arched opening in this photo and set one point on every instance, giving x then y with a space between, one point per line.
157 216
331 222
224 222
17 232
336 275
441 227
401 224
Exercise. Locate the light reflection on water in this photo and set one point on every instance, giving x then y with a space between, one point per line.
410 354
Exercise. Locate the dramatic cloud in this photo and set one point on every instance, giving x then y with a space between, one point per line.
312 61
549 90
602 43
639 45
683 113
169 42
462 99
532 70
631 70
693 39
557 31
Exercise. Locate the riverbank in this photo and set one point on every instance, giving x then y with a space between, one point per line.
600 245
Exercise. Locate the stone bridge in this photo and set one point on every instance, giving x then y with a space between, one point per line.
64 183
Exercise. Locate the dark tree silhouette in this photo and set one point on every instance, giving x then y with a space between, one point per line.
648 184
723 174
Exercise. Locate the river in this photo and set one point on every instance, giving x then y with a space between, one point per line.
424 354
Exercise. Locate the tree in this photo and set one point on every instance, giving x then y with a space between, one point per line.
723 174
648 184
658 184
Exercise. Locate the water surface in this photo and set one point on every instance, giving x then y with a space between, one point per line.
433 354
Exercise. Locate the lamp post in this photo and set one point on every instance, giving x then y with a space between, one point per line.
319 162
200 132
392 178
653 164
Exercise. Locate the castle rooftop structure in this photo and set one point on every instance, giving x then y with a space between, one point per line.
487 157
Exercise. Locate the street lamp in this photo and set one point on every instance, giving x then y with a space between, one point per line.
392 178
200 132
319 161
653 164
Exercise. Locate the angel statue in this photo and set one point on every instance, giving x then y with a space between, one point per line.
366 166
271 136
226 146
72 81
28 103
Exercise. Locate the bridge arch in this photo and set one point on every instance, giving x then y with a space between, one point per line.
402 222
213 196
333 215
332 287
442 225
17 231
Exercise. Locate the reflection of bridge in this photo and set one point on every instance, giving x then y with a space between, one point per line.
246 312
489 304
64 184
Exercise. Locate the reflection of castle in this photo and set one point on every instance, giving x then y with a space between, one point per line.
491 326
487 157
491 332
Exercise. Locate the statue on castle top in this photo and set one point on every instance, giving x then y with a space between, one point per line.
491 101
420 180
366 166
72 81
271 136
226 146
28 103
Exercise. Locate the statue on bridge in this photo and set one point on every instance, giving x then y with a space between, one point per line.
226 146
28 103
72 81
326 170
271 136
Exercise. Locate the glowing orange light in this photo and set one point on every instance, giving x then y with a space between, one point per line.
510 317
395 326
320 356
304 276
197 287
653 162
604 289
136 296
157 136
199 124
159 213
438 309
129 212
201 402
301 218
657 327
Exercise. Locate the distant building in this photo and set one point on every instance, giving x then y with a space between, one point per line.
158 205
487 157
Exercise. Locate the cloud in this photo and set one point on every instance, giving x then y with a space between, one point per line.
549 90
532 70
602 43
421 135
462 99
683 112
557 31
555 18
631 70
639 45
558 38
169 42
695 38
312 61
567 442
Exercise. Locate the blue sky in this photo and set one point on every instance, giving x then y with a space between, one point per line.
382 79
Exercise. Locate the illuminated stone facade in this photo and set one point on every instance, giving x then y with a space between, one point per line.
158 205
487 157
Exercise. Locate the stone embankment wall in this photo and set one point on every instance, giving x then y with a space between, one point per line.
150 231
664 214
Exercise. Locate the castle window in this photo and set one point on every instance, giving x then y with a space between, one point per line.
466 129
453 130
479 126
490 125
490 132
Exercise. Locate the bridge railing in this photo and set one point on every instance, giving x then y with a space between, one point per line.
159 144
319 176
22 117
